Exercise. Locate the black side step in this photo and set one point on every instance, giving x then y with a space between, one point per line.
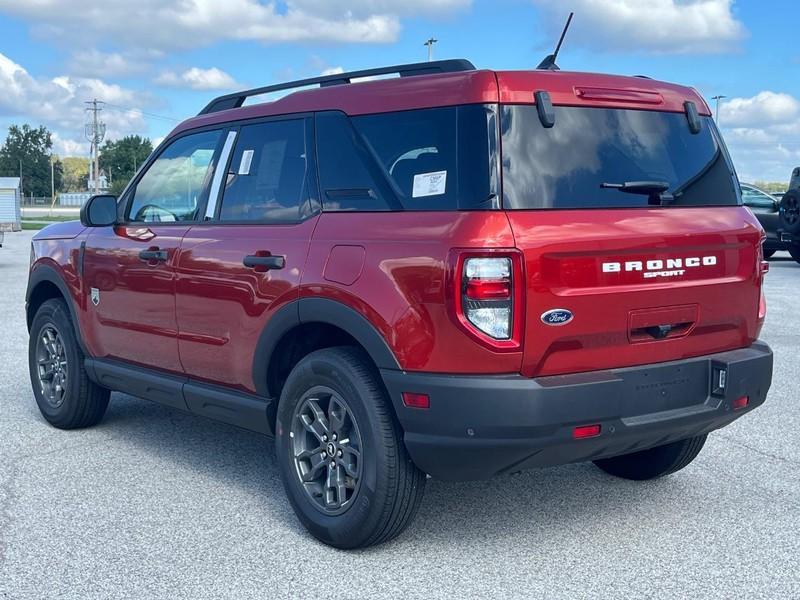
214 402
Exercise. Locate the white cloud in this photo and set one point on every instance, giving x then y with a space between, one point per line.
181 24
198 79
764 108
59 104
763 135
94 63
332 71
656 26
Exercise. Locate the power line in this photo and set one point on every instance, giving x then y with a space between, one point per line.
143 113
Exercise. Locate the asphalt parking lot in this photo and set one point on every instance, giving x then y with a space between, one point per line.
154 503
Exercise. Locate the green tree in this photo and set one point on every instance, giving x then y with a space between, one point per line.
31 149
76 173
120 159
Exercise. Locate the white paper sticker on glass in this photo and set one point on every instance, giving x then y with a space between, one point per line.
247 159
429 184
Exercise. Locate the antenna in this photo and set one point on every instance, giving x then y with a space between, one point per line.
549 62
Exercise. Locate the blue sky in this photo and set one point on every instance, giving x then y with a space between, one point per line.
158 61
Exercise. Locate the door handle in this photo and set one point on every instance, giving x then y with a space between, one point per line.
154 254
264 263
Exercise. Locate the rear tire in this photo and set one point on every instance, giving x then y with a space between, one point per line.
794 251
655 462
790 212
769 254
341 453
66 397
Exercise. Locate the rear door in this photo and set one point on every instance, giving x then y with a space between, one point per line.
634 278
764 206
130 267
245 261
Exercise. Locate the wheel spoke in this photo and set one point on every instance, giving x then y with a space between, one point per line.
336 489
317 463
336 414
315 423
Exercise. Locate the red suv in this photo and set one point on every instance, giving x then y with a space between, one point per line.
454 272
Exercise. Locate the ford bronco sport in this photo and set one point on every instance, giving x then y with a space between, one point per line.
454 272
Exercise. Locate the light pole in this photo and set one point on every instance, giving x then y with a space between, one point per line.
716 110
429 43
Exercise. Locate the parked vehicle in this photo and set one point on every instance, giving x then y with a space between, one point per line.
454 272
779 218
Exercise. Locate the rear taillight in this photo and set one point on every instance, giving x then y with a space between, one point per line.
487 292
487 301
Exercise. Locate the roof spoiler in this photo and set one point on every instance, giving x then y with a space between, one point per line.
237 99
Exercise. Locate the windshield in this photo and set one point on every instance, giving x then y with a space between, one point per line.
565 166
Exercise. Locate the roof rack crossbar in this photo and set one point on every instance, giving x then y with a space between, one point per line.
237 99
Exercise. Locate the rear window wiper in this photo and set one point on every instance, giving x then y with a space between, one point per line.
654 190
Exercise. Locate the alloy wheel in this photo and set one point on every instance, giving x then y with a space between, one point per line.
327 450
51 360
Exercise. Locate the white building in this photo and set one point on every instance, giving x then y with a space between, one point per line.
10 211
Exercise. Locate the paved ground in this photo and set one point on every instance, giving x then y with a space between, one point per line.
154 503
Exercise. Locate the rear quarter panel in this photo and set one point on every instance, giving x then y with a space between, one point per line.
402 287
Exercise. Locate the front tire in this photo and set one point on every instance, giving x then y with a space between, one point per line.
655 462
769 254
794 251
66 397
341 454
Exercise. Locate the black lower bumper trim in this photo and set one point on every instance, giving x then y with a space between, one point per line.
480 426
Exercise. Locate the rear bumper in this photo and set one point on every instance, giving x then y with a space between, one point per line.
477 427
780 241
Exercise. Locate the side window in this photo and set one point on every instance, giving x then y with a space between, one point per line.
174 185
427 159
269 174
755 198
349 177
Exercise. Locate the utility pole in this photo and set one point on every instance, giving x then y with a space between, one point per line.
21 191
95 132
716 111
429 43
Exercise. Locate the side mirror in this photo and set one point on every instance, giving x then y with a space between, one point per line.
99 211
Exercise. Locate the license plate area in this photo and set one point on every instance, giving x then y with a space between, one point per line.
664 388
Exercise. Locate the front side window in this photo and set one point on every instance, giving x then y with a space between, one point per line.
582 160
268 180
174 185
427 159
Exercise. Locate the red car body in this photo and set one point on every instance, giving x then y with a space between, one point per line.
202 316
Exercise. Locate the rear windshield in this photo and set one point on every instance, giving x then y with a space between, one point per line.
429 159
564 166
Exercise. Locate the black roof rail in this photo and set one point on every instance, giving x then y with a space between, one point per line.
237 99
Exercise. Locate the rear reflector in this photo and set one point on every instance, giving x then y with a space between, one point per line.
489 289
412 400
764 266
586 431
740 403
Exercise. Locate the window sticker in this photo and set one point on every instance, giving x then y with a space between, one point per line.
247 159
429 184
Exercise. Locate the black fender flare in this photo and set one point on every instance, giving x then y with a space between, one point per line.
317 310
46 273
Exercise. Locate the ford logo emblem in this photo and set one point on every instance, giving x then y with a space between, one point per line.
557 316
